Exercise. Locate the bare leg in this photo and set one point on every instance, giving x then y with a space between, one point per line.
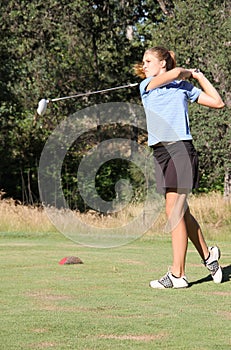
195 234
183 226
175 208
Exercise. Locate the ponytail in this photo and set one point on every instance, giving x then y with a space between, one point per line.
138 70
171 62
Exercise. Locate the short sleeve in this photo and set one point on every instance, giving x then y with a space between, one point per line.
143 86
192 91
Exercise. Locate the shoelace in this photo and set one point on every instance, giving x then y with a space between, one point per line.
166 281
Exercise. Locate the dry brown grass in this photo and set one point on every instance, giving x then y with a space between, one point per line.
21 218
213 213
211 210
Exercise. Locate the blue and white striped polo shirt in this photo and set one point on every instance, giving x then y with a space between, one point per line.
166 110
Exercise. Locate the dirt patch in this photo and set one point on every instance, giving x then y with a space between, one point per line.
43 345
194 265
132 262
18 244
39 330
47 301
225 314
224 294
47 296
143 337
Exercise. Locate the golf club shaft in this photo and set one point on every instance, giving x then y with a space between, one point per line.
93 92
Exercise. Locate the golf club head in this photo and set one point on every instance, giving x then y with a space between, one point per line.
42 106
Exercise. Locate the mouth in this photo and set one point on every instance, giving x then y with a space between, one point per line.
146 72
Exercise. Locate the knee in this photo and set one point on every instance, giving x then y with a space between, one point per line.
177 210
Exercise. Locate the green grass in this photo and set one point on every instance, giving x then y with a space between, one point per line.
106 303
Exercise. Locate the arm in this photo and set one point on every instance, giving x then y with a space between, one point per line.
168 77
209 96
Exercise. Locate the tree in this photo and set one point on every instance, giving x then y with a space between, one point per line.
198 32
61 48
55 49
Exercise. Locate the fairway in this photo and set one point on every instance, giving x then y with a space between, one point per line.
106 303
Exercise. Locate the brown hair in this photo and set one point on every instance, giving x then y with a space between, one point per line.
162 54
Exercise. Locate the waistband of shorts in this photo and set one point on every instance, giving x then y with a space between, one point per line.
166 144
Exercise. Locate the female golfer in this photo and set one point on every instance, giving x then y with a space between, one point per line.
165 94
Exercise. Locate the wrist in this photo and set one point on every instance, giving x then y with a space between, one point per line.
187 74
183 73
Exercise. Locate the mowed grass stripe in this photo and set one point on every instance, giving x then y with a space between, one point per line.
106 302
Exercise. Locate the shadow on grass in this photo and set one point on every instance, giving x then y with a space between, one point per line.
226 277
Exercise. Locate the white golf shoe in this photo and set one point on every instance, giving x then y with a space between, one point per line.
169 281
212 264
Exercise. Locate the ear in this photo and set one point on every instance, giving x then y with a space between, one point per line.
163 63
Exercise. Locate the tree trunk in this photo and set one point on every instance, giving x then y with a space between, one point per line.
166 6
227 185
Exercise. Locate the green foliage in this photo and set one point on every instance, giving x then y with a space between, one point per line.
115 181
199 33
59 48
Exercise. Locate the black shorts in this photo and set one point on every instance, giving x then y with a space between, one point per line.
176 166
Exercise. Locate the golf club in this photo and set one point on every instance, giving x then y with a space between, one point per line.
42 106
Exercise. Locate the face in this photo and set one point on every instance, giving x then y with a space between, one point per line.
152 66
